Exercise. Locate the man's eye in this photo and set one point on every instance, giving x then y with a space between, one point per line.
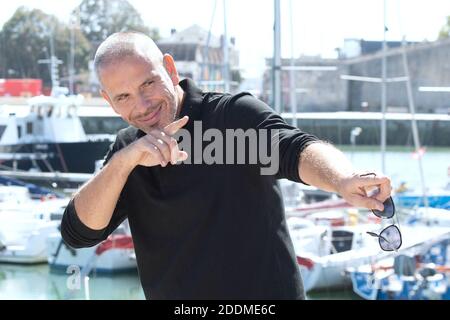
122 98
146 84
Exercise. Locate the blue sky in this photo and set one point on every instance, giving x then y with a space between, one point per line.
319 26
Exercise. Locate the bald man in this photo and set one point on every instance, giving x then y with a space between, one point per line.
200 230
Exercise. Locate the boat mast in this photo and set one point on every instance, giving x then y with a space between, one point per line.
415 130
71 61
75 25
53 64
293 89
205 75
226 63
276 67
383 94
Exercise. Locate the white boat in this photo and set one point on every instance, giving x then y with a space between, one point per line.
50 138
25 225
419 274
25 241
350 247
296 195
430 217
115 254
340 248
306 236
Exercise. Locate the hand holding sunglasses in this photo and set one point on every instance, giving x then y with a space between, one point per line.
390 238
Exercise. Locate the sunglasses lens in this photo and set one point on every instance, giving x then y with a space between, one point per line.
390 238
388 211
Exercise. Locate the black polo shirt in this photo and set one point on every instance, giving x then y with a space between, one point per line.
208 231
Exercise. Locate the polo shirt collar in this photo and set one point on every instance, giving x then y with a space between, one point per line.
193 98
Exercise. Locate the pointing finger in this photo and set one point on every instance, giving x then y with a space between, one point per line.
172 128
182 155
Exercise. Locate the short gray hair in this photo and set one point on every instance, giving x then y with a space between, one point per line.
123 44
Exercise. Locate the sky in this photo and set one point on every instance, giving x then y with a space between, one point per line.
318 26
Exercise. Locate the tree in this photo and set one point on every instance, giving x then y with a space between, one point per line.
25 39
100 18
445 31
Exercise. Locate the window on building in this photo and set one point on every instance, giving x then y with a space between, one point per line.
29 127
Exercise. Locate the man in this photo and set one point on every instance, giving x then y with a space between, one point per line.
201 231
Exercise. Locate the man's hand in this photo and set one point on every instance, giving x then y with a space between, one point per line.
96 200
357 190
158 147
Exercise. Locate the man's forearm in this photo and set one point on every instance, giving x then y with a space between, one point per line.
323 166
96 200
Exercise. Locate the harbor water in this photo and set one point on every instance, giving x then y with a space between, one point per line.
37 282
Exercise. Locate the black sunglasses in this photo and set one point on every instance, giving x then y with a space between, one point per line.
390 238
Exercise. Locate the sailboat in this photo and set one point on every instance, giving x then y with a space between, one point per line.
25 224
419 271
50 138
114 255
420 274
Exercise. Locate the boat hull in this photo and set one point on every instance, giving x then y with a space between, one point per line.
115 260
441 200
74 157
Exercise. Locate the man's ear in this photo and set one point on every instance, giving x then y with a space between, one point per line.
169 65
108 99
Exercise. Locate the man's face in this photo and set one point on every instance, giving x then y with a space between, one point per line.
141 92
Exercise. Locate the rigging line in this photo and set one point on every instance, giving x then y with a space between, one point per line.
292 75
61 157
400 27
208 39
48 165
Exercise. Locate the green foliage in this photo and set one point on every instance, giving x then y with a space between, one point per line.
101 18
445 31
25 39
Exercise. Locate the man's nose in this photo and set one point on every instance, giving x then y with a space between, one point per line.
143 104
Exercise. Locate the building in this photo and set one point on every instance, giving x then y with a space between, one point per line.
317 85
200 56
359 47
323 89
429 66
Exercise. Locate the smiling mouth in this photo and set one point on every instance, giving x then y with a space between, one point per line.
151 118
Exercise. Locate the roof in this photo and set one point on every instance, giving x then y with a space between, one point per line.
193 34
180 51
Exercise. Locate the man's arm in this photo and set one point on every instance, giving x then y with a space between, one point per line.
325 167
318 164
96 200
